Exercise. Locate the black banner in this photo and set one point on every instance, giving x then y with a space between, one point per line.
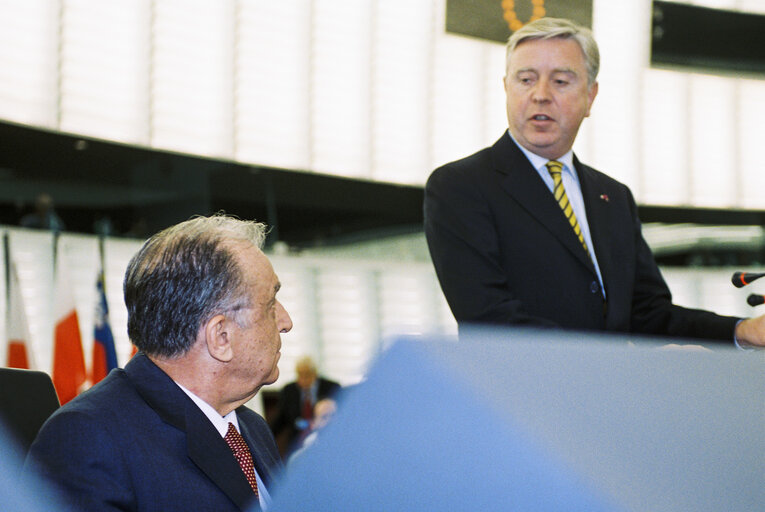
707 39
497 19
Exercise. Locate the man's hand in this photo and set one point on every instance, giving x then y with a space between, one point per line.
750 332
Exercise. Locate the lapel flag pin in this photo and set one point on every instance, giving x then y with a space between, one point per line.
604 197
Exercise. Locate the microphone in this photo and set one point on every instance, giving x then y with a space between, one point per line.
755 300
741 279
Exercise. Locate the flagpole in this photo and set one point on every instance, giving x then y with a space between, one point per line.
101 250
101 277
6 255
55 254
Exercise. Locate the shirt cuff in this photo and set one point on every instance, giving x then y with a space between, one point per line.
735 339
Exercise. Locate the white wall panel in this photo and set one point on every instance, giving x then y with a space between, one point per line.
29 42
457 121
105 67
750 112
623 29
494 99
406 302
666 173
347 321
192 76
713 158
400 85
756 6
273 51
339 81
714 4
446 318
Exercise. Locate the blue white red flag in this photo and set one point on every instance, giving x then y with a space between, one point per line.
104 353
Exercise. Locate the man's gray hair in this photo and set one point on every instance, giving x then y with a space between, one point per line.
183 276
548 28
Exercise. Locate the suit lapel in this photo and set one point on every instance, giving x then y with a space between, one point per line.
205 446
212 455
522 182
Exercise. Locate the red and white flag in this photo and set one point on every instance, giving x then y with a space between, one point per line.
19 354
69 374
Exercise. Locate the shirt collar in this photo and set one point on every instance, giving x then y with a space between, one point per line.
219 422
538 162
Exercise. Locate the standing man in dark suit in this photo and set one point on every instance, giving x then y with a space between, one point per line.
297 400
170 432
523 233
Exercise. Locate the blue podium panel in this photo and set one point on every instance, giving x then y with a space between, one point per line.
541 420
20 492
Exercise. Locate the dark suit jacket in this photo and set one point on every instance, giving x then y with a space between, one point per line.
290 406
136 442
504 252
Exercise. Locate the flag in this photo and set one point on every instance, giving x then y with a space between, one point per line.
104 353
69 372
18 328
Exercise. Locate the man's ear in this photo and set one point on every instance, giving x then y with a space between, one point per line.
218 339
592 91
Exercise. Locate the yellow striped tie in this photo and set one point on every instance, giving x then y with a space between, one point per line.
559 192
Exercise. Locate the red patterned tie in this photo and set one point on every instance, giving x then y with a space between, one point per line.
242 453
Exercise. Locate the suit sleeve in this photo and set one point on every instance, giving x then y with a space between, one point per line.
83 464
327 388
462 238
653 311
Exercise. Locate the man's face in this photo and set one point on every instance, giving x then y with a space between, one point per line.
547 95
257 341
306 376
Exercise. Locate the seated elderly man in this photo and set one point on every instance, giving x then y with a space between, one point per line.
297 401
170 432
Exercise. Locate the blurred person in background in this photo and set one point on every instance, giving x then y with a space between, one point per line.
297 400
44 215
322 414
